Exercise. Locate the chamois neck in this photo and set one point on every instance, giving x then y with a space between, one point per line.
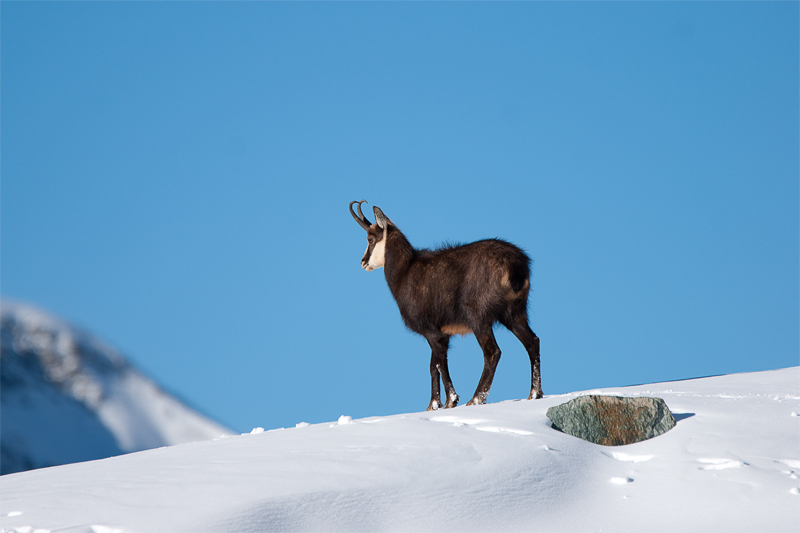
399 254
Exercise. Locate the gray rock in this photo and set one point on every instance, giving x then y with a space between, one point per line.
612 420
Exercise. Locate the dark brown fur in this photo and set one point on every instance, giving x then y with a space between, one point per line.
457 290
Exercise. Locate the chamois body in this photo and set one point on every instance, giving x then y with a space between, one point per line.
455 290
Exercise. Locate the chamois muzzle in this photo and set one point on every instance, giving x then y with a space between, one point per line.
361 219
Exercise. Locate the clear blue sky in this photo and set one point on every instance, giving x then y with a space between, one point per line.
175 179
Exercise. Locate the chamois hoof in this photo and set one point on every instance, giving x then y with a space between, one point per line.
435 405
477 401
535 395
452 402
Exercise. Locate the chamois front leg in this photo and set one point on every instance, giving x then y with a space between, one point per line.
436 402
439 346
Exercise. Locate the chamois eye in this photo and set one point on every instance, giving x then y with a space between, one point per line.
371 240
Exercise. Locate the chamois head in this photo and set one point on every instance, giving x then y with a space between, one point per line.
374 257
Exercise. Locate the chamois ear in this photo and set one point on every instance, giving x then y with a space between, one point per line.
381 219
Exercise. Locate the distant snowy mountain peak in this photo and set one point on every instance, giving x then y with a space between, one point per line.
66 396
70 358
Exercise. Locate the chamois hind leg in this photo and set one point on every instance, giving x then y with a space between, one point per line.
520 328
439 345
491 356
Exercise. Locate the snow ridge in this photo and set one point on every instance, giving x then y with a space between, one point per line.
731 464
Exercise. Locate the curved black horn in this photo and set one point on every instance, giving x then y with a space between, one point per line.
362 214
361 219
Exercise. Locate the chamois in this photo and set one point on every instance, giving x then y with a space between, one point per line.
455 290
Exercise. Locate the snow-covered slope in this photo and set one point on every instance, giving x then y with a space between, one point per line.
67 397
730 464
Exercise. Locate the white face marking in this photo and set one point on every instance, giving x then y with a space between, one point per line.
376 259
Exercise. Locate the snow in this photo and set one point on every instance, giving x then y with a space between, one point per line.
730 464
